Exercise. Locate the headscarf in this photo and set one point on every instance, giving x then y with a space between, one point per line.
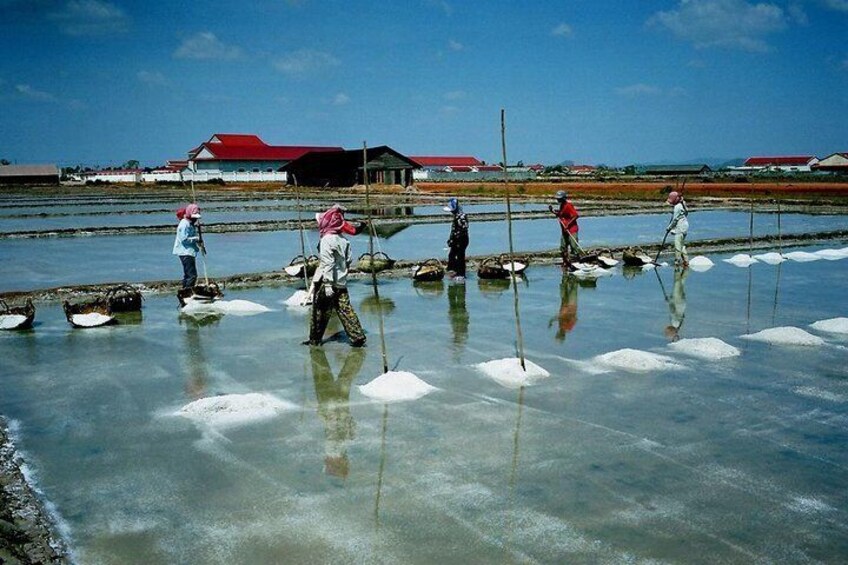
181 212
330 222
453 206
673 197
192 211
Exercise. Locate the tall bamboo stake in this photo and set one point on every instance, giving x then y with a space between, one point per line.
371 235
518 334
300 226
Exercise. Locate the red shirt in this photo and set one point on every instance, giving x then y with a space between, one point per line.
568 215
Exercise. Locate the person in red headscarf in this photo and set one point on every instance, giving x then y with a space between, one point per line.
329 284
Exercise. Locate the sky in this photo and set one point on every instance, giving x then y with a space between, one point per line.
100 82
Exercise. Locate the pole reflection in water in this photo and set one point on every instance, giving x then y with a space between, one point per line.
566 318
197 374
513 475
458 315
382 466
676 304
333 397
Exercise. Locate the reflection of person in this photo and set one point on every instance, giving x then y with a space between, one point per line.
329 284
679 227
567 316
187 243
197 376
567 216
458 315
458 240
677 304
334 407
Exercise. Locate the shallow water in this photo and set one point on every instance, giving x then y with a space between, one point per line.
741 460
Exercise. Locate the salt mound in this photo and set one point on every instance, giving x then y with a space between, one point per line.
396 386
91 320
708 348
831 254
585 271
636 361
786 335
741 260
299 298
508 372
701 264
235 307
608 261
770 258
801 256
234 409
833 325
11 321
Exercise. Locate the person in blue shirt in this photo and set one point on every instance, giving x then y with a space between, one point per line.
187 244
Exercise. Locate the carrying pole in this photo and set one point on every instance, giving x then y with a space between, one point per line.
518 334
300 226
371 235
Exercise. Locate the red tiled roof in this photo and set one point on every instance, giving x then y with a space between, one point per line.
237 139
489 168
432 161
783 160
263 152
460 169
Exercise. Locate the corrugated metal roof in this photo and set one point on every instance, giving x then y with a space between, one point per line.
28 170
446 161
224 152
784 160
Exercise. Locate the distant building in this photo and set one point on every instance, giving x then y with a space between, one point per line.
676 170
29 174
110 175
580 170
345 168
835 163
456 168
779 163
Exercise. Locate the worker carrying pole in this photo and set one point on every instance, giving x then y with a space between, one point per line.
567 215
679 227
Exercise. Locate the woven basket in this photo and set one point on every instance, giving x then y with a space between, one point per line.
201 292
27 310
124 298
491 268
429 270
295 267
521 262
99 305
374 263
635 257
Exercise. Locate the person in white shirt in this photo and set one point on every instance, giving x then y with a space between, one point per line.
679 227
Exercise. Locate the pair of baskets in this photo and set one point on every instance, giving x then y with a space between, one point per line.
428 271
500 267
375 263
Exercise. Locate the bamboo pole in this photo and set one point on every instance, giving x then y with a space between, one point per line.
518 334
371 235
300 227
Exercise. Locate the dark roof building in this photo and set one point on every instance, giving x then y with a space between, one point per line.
835 163
29 174
446 161
345 168
676 170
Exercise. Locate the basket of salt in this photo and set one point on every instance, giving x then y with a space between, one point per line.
600 257
519 263
635 257
16 317
491 268
295 267
429 270
200 293
124 298
89 314
374 263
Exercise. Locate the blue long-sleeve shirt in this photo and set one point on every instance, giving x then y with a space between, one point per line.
186 240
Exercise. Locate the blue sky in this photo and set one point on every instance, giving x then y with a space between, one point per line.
595 81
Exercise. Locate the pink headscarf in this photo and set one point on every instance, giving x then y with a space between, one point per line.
331 221
192 211
673 197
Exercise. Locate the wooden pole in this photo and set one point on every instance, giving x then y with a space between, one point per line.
371 235
300 226
518 334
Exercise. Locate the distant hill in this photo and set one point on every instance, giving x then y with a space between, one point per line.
714 163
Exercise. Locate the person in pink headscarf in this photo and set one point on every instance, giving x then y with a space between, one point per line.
329 284
188 243
679 227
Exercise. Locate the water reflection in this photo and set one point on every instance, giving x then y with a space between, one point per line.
197 374
492 287
334 407
458 316
566 318
429 289
676 303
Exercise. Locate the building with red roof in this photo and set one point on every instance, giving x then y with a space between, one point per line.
782 163
440 162
245 153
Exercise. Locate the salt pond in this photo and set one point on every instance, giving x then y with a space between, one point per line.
737 460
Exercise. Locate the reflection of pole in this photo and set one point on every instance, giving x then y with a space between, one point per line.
776 291
515 439
748 318
382 465
300 226
779 234
371 235
519 336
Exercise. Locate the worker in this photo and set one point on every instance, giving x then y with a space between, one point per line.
188 243
329 284
457 241
567 215
679 227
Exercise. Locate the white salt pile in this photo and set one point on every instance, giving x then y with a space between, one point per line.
801 256
11 321
741 260
831 254
517 265
785 335
590 271
396 386
299 298
833 325
91 320
294 270
508 372
636 361
771 258
234 409
700 264
608 261
234 307
707 348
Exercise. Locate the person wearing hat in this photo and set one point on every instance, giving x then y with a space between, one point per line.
329 284
458 240
187 243
567 215
679 226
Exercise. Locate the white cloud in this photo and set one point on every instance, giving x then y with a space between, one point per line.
735 24
797 13
455 45
30 93
152 78
443 6
207 46
455 95
562 30
81 18
304 61
340 99
639 89
838 5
